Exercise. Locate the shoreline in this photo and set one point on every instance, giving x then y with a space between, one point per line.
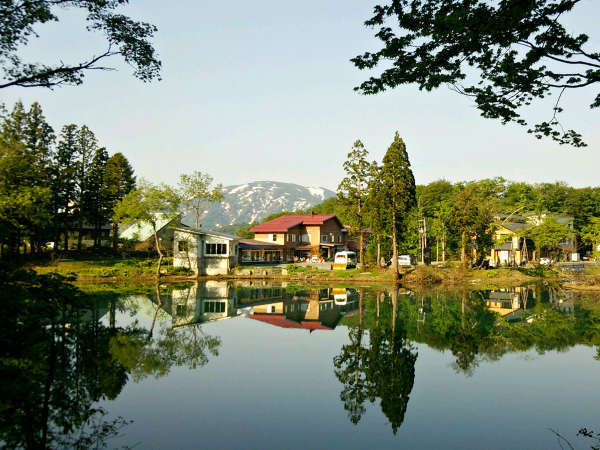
143 271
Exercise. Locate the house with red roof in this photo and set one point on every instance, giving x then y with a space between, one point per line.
315 312
303 235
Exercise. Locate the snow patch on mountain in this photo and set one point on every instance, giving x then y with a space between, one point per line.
251 202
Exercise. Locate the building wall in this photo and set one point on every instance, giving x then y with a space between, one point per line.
268 237
272 308
196 259
314 232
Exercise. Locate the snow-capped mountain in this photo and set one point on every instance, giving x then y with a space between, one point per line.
251 202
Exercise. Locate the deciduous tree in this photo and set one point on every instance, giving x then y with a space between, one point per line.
549 234
503 54
146 204
124 36
197 191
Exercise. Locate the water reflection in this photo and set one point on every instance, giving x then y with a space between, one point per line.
382 369
67 350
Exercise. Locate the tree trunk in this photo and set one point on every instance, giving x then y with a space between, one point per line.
80 234
158 305
394 314
66 236
444 246
115 230
394 249
463 248
47 387
362 247
160 255
378 252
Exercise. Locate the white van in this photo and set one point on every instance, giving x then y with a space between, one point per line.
404 260
344 260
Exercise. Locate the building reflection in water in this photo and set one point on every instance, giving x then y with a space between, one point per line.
516 303
272 303
201 302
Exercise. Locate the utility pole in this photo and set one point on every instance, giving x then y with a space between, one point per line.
423 237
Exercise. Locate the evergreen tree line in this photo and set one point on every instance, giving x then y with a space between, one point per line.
458 219
55 187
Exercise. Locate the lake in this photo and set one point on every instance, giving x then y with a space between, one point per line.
221 365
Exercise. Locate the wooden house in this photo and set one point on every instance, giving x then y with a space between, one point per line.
303 235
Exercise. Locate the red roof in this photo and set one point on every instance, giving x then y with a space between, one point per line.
283 322
283 223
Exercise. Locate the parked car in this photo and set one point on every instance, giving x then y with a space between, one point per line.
403 260
344 260
545 261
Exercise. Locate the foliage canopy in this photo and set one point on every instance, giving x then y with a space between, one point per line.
504 54
125 37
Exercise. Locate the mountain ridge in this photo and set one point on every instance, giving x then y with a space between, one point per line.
253 201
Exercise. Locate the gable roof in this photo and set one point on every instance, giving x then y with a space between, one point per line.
284 223
515 227
190 230
284 322
142 231
253 243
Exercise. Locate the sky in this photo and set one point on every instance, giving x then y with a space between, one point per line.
263 91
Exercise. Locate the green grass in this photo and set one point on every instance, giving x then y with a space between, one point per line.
110 268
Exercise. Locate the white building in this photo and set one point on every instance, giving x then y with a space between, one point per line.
205 252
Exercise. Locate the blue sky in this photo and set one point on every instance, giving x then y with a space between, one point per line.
263 91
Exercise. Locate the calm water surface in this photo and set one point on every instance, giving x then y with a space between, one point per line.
218 365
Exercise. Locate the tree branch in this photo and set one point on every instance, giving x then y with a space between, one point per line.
32 80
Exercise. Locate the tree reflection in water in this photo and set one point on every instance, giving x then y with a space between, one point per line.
384 370
61 360
378 362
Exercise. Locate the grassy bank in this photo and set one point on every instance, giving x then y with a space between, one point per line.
110 268
144 269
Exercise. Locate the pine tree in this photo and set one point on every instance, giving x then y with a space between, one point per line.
64 169
118 182
25 138
86 146
398 191
376 216
352 191
95 196
38 139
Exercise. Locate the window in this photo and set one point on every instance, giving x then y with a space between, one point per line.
273 237
324 238
305 238
293 237
214 307
216 249
183 246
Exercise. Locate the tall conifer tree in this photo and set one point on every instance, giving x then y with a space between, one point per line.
398 190
352 191
87 145
64 169
95 197
118 182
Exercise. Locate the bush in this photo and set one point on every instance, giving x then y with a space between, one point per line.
424 275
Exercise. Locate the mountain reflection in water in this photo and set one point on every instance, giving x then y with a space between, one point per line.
69 351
